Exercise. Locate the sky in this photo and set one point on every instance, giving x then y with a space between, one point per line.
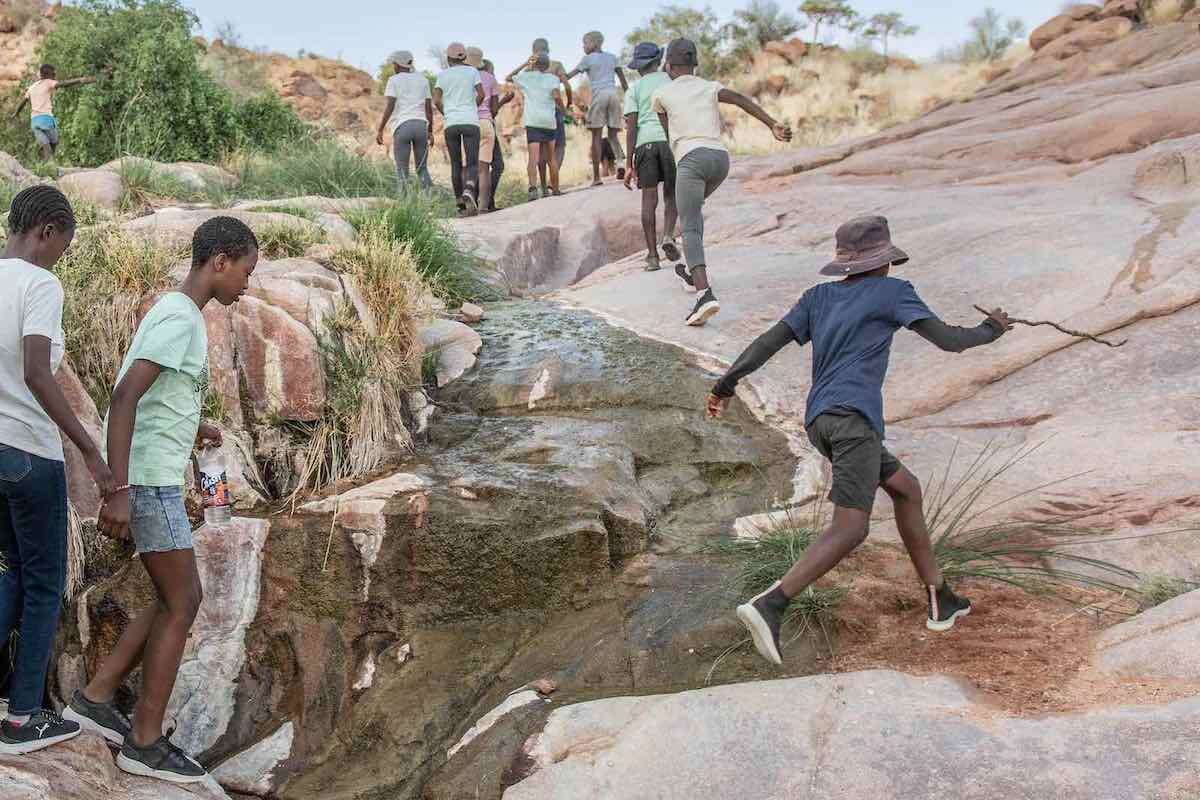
364 32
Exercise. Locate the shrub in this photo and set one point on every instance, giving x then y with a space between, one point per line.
106 275
280 240
147 187
414 222
313 166
153 98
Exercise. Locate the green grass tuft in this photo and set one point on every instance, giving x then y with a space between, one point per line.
147 187
313 166
1155 590
295 211
281 240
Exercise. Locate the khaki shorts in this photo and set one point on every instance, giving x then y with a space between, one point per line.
605 110
860 461
487 140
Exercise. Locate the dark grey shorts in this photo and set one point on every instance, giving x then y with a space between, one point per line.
860 461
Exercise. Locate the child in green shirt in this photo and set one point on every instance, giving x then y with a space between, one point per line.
152 425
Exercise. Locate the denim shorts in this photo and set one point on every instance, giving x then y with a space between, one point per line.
158 519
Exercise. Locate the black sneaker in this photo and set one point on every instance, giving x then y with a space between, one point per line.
620 173
945 607
684 275
41 730
763 619
705 308
162 760
101 718
671 251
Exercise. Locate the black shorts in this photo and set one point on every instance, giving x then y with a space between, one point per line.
539 135
654 165
860 461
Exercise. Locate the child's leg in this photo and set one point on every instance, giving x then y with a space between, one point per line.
649 218
542 163
534 163
699 174
846 532
178 585
596 154
125 656
670 212
905 491
553 163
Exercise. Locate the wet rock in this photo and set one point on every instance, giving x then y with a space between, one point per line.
471 313
455 346
279 362
511 703
97 186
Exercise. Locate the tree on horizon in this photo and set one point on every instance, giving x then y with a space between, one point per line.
887 26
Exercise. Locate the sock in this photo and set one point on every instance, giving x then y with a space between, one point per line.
776 599
17 720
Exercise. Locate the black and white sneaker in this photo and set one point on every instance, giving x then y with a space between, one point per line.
161 760
945 607
763 617
41 730
705 308
101 718
684 275
671 251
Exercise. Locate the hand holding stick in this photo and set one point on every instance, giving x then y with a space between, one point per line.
1055 325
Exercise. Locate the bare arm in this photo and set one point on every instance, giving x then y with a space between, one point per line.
50 397
494 105
76 82
558 101
437 101
505 100
509 78
429 114
122 413
666 126
387 114
782 132
479 95
631 121
562 76
24 102
621 78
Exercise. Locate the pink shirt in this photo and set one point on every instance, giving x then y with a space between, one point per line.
491 88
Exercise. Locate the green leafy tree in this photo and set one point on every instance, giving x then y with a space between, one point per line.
888 26
991 36
701 26
833 14
758 23
153 98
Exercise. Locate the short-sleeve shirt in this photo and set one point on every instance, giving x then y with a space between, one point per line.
638 100
601 69
491 88
693 114
31 304
41 97
851 325
458 95
173 336
538 88
411 90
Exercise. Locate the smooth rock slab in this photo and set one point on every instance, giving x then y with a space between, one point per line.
878 735
97 186
252 771
456 346
1161 643
229 558
279 360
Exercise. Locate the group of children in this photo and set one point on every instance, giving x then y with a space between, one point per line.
152 425
673 138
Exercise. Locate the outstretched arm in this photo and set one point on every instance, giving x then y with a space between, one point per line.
76 82
760 351
781 131
955 339
24 102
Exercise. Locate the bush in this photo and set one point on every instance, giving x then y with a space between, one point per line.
264 122
313 166
414 222
153 98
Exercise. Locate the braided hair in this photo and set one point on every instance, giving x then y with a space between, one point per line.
37 206
221 235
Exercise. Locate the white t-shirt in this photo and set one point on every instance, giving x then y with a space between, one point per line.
693 118
411 90
31 304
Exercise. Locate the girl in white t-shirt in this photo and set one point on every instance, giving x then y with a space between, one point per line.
33 483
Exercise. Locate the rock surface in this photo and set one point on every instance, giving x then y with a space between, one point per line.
454 345
1161 644
750 740
98 186
173 227
279 362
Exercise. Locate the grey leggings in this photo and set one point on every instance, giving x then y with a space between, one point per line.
413 136
698 175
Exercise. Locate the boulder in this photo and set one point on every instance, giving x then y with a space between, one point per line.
1130 9
517 699
470 313
195 175
455 346
83 769
173 227
279 362
253 771
97 186
789 52
314 204
1162 643
1089 37
856 728
222 363
307 291
81 489
1072 19
12 171
338 231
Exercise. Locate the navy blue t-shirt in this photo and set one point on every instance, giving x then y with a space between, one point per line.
850 325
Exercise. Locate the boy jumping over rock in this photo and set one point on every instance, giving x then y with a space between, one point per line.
152 424
689 109
850 324
648 152
40 97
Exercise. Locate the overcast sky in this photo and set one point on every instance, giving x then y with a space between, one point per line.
363 32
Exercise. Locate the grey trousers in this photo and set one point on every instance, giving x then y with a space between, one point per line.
697 176
412 137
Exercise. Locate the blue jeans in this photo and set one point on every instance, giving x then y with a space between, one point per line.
33 546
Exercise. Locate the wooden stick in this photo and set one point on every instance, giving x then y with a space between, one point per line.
1068 331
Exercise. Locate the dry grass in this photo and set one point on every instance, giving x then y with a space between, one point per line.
372 359
106 276
1166 12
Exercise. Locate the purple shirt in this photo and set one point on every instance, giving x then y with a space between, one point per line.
491 88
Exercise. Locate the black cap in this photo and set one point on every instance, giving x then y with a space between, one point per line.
682 53
645 53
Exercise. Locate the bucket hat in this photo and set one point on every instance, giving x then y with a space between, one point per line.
864 244
645 53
